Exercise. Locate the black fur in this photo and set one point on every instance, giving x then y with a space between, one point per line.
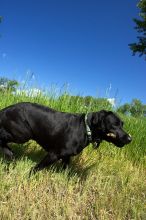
61 134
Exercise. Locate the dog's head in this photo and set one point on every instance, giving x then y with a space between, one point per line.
106 125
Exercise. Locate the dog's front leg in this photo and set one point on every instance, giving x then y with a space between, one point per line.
65 161
6 151
49 159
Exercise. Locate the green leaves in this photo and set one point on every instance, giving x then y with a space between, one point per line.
135 108
140 46
8 85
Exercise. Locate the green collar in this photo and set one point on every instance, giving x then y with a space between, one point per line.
89 133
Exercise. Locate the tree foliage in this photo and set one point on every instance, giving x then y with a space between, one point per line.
8 85
140 46
135 108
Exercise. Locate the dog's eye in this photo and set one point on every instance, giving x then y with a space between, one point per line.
117 124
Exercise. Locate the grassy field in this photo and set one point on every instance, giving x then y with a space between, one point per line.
103 184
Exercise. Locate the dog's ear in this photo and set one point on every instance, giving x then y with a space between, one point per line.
98 119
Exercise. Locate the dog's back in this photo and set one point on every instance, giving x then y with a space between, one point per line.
24 121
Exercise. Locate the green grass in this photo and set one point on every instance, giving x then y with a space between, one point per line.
106 183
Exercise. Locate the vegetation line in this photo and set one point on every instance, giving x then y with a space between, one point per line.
106 183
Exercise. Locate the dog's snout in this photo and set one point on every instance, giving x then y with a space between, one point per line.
129 138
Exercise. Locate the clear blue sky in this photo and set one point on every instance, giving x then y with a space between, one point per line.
83 43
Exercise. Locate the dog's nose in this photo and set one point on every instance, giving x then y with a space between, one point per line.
129 138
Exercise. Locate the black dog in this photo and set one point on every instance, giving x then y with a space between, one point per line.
61 134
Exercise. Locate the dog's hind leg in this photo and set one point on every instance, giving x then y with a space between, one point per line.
49 159
6 150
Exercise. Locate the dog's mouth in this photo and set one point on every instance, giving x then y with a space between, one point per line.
119 142
113 138
112 135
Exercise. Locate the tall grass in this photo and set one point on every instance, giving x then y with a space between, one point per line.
106 183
